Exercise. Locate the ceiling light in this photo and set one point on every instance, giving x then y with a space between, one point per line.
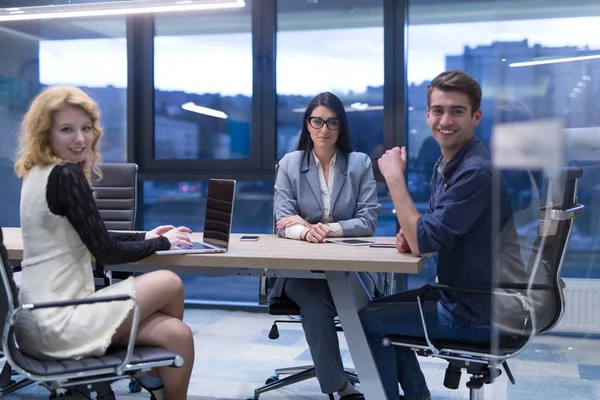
354 107
99 8
553 61
190 106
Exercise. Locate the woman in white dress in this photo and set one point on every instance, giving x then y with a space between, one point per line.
62 227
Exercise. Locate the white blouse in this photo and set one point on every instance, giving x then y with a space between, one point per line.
293 232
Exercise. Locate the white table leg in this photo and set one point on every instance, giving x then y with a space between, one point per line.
347 305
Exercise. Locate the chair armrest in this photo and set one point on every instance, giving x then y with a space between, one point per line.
562 215
423 291
502 285
75 302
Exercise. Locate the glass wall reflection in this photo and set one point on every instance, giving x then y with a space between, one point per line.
203 85
525 73
336 47
184 203
89 53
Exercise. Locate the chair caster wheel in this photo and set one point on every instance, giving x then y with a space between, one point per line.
59 393
271 380
134 386
108 396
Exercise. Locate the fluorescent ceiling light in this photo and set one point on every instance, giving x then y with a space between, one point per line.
553 61
100 9
204 110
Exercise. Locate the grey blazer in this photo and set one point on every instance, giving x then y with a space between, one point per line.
353 199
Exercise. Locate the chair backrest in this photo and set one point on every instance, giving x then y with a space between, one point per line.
559 207
116 195
8 288
8 295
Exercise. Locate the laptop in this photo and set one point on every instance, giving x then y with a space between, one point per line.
217 220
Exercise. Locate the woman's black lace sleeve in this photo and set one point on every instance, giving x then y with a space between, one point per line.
128 236
69 194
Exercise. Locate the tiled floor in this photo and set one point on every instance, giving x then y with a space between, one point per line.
234 355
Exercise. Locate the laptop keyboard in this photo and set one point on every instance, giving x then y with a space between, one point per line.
196 246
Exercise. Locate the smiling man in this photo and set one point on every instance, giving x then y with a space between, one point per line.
457 226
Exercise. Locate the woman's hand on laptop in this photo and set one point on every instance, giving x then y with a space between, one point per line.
162 229
178 237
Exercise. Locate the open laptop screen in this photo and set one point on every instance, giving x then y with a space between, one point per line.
219 211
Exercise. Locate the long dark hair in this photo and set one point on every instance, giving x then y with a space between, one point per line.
331 101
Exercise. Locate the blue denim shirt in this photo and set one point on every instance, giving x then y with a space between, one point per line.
458 226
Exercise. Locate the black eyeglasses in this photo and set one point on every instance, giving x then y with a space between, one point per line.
317 123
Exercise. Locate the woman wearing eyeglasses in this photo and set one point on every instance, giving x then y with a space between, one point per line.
324 189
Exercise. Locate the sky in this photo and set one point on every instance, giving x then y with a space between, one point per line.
308 62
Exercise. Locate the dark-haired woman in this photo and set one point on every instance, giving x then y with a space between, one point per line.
324 189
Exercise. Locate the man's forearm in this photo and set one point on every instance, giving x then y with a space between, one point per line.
406 212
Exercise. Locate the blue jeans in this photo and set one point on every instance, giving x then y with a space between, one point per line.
398 314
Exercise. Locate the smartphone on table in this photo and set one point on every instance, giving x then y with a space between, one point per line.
249 238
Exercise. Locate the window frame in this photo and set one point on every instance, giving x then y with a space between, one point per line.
263 156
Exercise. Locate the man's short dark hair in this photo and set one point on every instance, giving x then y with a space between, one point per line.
456 81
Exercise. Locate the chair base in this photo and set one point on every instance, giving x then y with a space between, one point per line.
13 386
103 391
298 374
476 393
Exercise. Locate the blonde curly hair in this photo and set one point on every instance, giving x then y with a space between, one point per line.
34 147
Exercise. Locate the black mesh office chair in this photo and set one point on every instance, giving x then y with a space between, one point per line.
116 198
541 294
72 379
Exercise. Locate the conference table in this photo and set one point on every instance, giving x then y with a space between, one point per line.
272 256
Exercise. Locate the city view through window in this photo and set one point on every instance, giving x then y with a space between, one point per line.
203 104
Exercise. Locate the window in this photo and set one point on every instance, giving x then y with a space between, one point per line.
330 47
184 203
89 53
203 85
490 46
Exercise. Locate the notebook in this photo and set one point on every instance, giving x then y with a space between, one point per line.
217 220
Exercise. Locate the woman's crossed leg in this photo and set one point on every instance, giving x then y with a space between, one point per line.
160 295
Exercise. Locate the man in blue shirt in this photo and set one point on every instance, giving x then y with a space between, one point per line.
457 226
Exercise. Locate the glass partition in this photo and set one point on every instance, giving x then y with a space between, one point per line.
539 70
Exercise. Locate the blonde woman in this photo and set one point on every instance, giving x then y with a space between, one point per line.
61 227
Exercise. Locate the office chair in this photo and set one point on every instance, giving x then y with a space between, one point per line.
541 294
116 198
73 379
